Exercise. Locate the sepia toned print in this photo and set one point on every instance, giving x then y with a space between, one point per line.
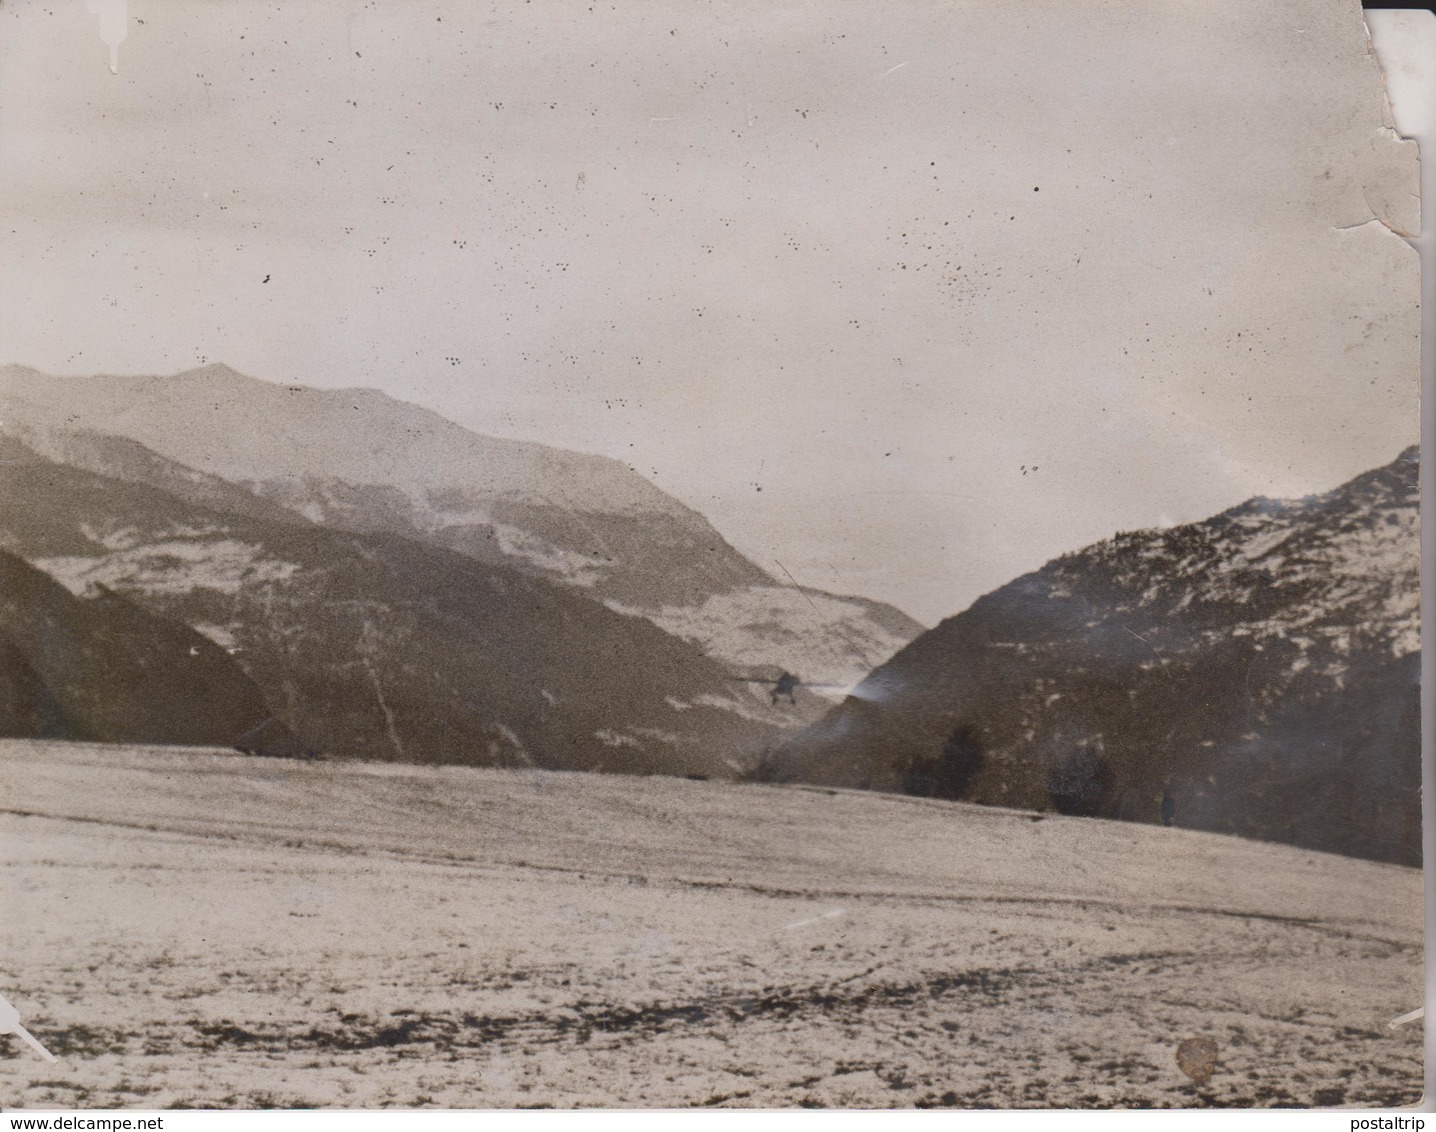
744 555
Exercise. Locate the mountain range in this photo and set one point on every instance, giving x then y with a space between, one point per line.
368 580
361 461
379 647
1256 673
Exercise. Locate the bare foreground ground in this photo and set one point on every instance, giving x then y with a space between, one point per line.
193 928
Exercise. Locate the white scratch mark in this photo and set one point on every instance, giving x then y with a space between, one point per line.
899 67
813 920
1156 650
10 1024
113 17
1419 1012
389 725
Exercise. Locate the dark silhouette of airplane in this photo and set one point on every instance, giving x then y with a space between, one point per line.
786 684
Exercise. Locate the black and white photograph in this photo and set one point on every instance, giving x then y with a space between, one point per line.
761 554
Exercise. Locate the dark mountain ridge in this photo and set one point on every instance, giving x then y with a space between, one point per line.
1256 674
103 669
372 646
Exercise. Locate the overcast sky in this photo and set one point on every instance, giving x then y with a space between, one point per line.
907 296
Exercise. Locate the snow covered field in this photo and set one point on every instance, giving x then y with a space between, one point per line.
196 928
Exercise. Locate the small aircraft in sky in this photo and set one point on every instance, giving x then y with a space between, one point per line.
785 684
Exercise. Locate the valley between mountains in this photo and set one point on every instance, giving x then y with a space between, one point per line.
303 693
386 585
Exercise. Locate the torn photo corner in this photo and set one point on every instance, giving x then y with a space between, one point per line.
588 555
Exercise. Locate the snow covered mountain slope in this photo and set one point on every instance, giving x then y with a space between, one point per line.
1256 673
384 648
358 460
513 937
765 627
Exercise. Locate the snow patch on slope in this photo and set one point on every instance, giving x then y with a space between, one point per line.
823 638
173 566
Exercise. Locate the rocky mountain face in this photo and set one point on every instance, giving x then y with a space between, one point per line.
1254 674
360 461
374 646
100 668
